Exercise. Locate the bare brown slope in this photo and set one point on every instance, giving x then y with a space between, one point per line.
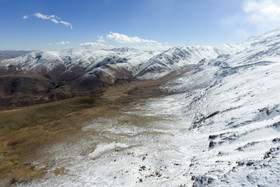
24 131
19 88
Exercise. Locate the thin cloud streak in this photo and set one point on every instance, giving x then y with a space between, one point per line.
53 18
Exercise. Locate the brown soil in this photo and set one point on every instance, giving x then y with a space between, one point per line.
24 131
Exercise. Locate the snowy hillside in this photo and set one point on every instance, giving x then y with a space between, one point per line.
90 59
178 57
234 109
220 129
139 63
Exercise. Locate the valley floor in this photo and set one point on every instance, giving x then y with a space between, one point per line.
40 143
215 123
140 134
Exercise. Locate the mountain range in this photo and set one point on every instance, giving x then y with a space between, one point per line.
217 124
55 75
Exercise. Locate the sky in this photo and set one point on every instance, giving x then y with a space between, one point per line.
54 24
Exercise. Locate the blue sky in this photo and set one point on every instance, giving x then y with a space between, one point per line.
51 24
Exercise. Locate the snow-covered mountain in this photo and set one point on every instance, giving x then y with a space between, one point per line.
179 57
232 107
139 63
221 128
89 59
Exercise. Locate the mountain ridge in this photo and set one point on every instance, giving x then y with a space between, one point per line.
209 122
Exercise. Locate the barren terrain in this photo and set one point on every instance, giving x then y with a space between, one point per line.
26 131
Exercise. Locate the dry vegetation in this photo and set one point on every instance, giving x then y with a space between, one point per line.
24 131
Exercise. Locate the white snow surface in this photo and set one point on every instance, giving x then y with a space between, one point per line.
233 105
178 57
90 58
143 64
222 128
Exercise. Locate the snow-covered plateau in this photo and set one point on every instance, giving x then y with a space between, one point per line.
219 126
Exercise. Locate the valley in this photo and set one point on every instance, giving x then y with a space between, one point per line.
26 131
185 116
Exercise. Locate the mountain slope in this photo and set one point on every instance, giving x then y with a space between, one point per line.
83 71
71 72
179 57
234 109
215 125
140 64
91 60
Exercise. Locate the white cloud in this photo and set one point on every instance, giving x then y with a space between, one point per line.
52 18
92 44
122 38
55 21
100 39
63 43
261 12
41 16
100 43
66 24
254 17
